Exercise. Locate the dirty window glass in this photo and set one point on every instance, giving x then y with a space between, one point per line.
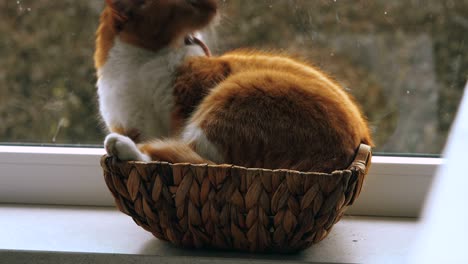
405 61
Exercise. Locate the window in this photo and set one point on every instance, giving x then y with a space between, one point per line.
47 93
406 63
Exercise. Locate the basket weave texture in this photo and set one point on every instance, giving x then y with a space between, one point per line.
230 207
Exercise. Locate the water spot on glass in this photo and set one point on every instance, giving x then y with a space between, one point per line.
20 6
63 123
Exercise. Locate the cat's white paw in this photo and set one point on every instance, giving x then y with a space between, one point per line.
123 148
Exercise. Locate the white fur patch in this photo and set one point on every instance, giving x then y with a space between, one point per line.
124 148
134 87
206 149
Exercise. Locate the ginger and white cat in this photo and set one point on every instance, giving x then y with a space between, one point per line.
158 88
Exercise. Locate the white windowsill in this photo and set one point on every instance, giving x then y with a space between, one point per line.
395 186
72 176
39 234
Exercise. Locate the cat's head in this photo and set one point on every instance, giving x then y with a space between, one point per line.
154 24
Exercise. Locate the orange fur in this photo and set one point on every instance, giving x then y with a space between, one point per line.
194 80
104 38
172 151
151 24
274 112
258 109
132 133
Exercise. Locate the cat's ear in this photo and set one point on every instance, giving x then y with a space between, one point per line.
121 10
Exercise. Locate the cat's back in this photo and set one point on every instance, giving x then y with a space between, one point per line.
251 64
283 110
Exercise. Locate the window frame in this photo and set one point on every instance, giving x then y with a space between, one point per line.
395 186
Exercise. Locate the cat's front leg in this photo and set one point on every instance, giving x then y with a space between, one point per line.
123 148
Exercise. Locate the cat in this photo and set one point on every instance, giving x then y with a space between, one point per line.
163 98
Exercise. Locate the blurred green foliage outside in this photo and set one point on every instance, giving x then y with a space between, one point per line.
405 61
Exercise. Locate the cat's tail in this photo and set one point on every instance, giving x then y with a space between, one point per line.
173 151
170 150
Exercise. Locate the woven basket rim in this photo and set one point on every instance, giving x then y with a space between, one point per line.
360 162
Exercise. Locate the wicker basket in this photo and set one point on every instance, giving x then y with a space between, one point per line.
230 207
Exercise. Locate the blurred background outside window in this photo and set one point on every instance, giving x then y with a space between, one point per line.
405 62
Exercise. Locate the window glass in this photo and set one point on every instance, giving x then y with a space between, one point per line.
405 61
